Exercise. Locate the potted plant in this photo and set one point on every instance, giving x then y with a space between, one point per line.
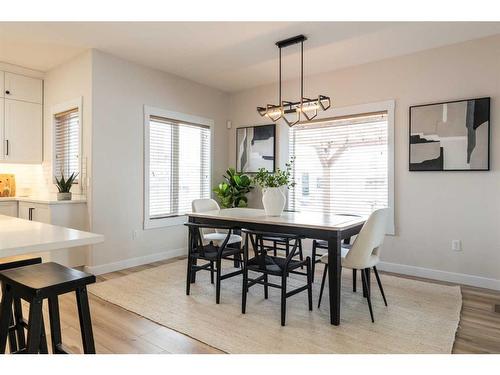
232 192
64 187
272 185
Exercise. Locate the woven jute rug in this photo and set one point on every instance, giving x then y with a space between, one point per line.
421 317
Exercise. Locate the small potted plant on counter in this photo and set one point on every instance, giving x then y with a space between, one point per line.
232 192
64 187
273 185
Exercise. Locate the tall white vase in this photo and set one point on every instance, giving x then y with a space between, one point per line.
273 200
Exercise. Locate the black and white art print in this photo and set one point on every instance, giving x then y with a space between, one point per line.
450 136
255 148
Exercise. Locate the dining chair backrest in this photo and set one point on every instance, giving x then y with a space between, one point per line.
369 240
204 205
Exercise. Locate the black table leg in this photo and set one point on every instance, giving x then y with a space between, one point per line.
334 278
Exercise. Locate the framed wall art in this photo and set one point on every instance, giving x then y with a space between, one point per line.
450 136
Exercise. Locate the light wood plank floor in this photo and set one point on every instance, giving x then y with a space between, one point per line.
117 330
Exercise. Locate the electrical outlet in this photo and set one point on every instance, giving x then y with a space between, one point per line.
456 245
134 234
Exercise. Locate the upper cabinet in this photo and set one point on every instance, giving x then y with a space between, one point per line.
21 122
18 87
23 132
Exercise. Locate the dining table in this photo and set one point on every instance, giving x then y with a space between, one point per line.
333 228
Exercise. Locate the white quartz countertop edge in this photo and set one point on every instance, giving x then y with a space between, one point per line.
44 200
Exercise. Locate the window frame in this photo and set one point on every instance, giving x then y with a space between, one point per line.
383 106
149 111
60 108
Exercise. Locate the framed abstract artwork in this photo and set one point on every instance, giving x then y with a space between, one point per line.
256 148
450 136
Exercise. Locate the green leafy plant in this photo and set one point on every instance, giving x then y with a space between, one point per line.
282 177
232 192
64 186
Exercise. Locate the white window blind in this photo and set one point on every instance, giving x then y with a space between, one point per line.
341 165
67 143
179 166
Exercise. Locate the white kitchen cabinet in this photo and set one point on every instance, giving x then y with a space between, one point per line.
35 212
8 208
70 215
23 132
19 87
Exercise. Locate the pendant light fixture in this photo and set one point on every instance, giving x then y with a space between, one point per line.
306 106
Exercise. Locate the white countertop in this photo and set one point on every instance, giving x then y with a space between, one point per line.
19 236
45 199
315 220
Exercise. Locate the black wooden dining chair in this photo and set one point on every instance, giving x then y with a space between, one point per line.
212 253
269 265
276 243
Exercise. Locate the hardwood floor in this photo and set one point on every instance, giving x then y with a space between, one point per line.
117 330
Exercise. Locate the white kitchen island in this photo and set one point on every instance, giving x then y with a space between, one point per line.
19 236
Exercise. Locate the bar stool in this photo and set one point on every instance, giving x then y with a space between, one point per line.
45 281
17 340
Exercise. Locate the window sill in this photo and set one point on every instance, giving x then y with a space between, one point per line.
165 222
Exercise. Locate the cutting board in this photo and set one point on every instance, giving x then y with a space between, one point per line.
7 185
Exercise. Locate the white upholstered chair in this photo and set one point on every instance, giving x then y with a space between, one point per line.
364 254
217 236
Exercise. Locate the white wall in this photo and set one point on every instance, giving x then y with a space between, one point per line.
62 84
431 208
120 90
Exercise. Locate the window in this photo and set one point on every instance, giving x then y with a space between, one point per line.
342 165
67 141
177 164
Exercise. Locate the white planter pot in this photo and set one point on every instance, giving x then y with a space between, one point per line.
273 200
64 196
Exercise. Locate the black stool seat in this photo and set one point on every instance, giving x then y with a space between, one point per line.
45 279
37 282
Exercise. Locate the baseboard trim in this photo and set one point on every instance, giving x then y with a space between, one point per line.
429 273
133 262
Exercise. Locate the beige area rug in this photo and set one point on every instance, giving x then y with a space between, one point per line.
421 317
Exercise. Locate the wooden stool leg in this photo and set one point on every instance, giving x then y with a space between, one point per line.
55 325
85 321
18 318
12 335
34 326
43 340
5 315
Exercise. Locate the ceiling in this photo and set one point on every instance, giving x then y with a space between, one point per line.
230 56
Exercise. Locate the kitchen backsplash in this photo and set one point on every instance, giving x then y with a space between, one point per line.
31 179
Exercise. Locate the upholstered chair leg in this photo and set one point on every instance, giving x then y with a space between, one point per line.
379 284
365 282
212 271
354 277
322 285
368 280
283 300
